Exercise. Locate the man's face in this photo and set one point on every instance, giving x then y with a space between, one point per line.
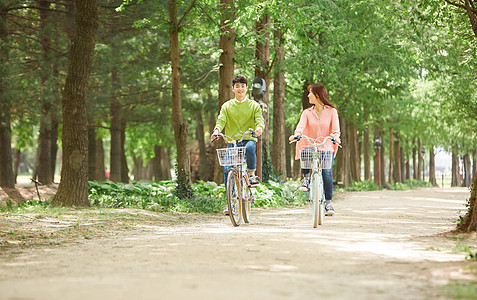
240 90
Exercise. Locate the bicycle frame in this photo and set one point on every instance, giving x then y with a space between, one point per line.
241 183
316 186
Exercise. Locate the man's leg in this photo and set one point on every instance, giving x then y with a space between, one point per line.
251 159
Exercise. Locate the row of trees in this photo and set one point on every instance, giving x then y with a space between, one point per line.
399 70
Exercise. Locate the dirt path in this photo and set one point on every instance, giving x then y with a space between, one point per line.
379 245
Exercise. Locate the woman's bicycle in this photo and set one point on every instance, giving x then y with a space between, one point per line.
238 190
317 157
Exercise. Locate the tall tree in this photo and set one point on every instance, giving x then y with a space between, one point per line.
6 168
279 141
73 188
181 129
226 63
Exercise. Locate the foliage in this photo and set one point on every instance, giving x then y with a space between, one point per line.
461 290
367 185
209 197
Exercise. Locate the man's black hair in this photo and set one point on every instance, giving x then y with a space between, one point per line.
239 79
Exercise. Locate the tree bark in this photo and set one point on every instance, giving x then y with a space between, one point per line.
279 139
91 151
397 175
469 222
226 68
124 163
115 131
7 178
366 153
455 168
467 171
262 54
432 167
181 130
419 159
100 166
414 161
73 188
199 132
288 152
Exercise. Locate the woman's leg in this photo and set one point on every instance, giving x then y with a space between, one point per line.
328 182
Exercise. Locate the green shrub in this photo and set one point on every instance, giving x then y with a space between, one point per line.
208 196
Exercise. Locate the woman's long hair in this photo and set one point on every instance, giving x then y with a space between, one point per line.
321 93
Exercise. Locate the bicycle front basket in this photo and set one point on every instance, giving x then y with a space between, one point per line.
231 156
322 159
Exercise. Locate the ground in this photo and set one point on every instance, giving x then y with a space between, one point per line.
379 245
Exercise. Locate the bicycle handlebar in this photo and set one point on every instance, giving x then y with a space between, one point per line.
229 139
310 140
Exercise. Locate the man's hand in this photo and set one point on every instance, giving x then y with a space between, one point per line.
258 132
214 134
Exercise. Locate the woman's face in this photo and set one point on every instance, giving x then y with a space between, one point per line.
313 99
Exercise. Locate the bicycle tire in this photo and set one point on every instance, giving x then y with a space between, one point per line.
247 201
233 198
321 207
315 199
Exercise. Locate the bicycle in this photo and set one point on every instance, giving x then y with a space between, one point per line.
321 157
238 191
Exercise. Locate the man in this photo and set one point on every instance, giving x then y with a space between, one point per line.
237 116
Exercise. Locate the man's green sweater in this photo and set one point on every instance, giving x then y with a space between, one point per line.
237 117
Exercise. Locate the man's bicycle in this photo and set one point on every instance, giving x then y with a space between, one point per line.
317 157
239 193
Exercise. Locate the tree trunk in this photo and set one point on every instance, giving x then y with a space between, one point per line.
161 164
73 188
467 171
44 167
432 167
91 151
124 163
115 129
397 175
377 149
366 153
455 168
181 130
199 132
279 138
16 163
419 159
474 163
226 68
100 166
347 153
262 54
414 161
7 178
469 222
288 152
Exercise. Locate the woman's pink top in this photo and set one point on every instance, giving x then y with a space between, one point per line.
315 126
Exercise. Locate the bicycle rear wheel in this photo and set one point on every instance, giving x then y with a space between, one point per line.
234 197
247 201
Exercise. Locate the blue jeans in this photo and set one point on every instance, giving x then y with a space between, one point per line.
250 156
326 174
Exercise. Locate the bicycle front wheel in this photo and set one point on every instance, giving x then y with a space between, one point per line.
247 201
321 202
234 197
316 205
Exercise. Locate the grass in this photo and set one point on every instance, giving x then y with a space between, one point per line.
461 290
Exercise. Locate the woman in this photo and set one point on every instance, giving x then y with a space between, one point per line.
320 120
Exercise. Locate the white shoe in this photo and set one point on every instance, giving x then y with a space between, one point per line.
305 185
329 211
